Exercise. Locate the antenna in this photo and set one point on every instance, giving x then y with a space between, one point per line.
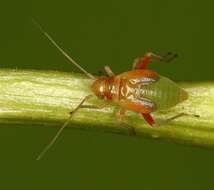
50 144
54 139
61 50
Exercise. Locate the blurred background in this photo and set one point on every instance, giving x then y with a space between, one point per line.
97 33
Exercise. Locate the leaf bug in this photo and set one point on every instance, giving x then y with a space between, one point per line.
140 90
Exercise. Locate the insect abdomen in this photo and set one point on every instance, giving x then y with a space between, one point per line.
164 93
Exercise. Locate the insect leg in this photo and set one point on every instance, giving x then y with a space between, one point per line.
120 115
142 63
109 71
166 121
94 107
61 129
175 117
149 119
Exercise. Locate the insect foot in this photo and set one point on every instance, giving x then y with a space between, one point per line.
156 125
131 129
169 56
120 118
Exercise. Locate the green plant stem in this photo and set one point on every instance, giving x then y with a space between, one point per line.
47 97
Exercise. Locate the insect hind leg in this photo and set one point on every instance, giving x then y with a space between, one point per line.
166 121
149 119
142 63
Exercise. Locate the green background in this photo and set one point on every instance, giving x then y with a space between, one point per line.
97 33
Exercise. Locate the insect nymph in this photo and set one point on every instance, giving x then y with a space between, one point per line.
139 90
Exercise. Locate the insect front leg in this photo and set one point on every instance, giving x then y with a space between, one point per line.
142 63
109 71
101 106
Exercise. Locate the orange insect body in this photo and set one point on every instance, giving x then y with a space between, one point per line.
122 88
140 90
